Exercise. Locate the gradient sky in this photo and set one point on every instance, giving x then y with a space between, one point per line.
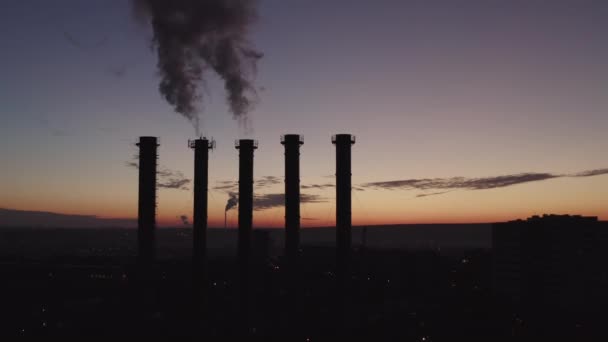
430 89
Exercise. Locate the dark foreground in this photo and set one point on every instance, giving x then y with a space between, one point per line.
417 296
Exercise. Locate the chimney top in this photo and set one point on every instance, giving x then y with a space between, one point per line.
343 138
147 141
292 138
202 140
246 143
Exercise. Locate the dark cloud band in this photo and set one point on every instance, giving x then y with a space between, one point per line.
444 185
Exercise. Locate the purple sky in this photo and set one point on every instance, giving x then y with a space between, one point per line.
430 88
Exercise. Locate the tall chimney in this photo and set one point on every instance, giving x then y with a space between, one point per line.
246 148
199 225
146 213
343 144
292 144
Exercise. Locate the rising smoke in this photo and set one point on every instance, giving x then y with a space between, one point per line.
192 36
233 200
184 220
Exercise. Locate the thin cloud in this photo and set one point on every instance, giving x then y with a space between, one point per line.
591 173
170 179
432 194
460 182
225 187
174 183
444 185
268 201
260 183
167 179
132 164
268 181
318 186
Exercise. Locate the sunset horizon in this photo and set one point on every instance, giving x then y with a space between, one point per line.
210 168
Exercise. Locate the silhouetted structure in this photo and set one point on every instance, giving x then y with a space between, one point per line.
292 144
199 225
343 144
551 262
246 148
146 219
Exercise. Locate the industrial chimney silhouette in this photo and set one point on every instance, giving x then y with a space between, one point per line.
199 225
343 144
146 213
292 144
246 148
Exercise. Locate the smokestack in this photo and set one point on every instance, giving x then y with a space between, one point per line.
199 225
146 213
292 144
246 148
343 144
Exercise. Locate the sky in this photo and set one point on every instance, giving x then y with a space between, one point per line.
432 90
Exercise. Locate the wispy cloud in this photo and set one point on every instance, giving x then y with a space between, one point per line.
170 179
460 182
432 194
132 164
174 183
318 186
268 201
444 185
167 179
268 181
590 173
260 183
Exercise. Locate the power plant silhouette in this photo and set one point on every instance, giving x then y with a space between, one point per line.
246 147
199 225
146 213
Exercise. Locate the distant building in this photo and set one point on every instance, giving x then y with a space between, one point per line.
553 261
